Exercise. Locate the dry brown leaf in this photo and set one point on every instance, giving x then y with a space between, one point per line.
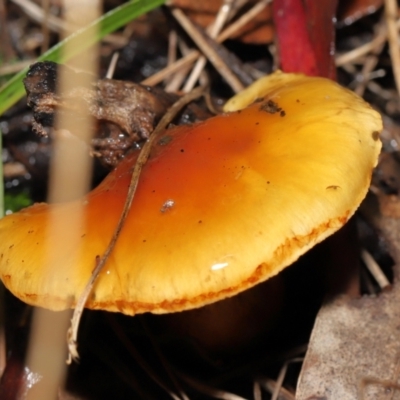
354 343
351 11
389 205
354 350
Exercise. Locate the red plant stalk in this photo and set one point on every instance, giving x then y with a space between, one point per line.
305 33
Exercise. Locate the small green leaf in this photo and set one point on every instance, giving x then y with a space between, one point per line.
16 202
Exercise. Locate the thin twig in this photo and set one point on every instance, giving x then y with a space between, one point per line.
270 385
38 15
281 376
243 20
213 31
366 279
112 65
58 25
170 69
178 78
45 28
14 169
142 158
15 67
391 12
370 63
257 395
359 52
374 269
210 53
226 12
7 49
172 45
172 50
209 391
194 54
386 94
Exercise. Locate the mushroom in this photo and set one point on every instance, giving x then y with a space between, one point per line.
220 206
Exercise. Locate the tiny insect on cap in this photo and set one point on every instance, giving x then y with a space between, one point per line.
221 205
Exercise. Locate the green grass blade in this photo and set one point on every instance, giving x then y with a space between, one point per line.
13 90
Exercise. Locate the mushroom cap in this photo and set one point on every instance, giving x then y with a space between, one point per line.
221 206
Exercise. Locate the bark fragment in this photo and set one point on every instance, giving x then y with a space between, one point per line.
126 112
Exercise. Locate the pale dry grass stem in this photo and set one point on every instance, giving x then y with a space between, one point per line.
7 49
213 31
374 268
282 374
70 175
207 390
257 394
45 28
367 72
112 65
187 60
13 68
270 386
391 15
209 52
176 80
38 14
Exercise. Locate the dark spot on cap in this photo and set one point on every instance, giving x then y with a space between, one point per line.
282 113
375 135
259 100
270 107
333 187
